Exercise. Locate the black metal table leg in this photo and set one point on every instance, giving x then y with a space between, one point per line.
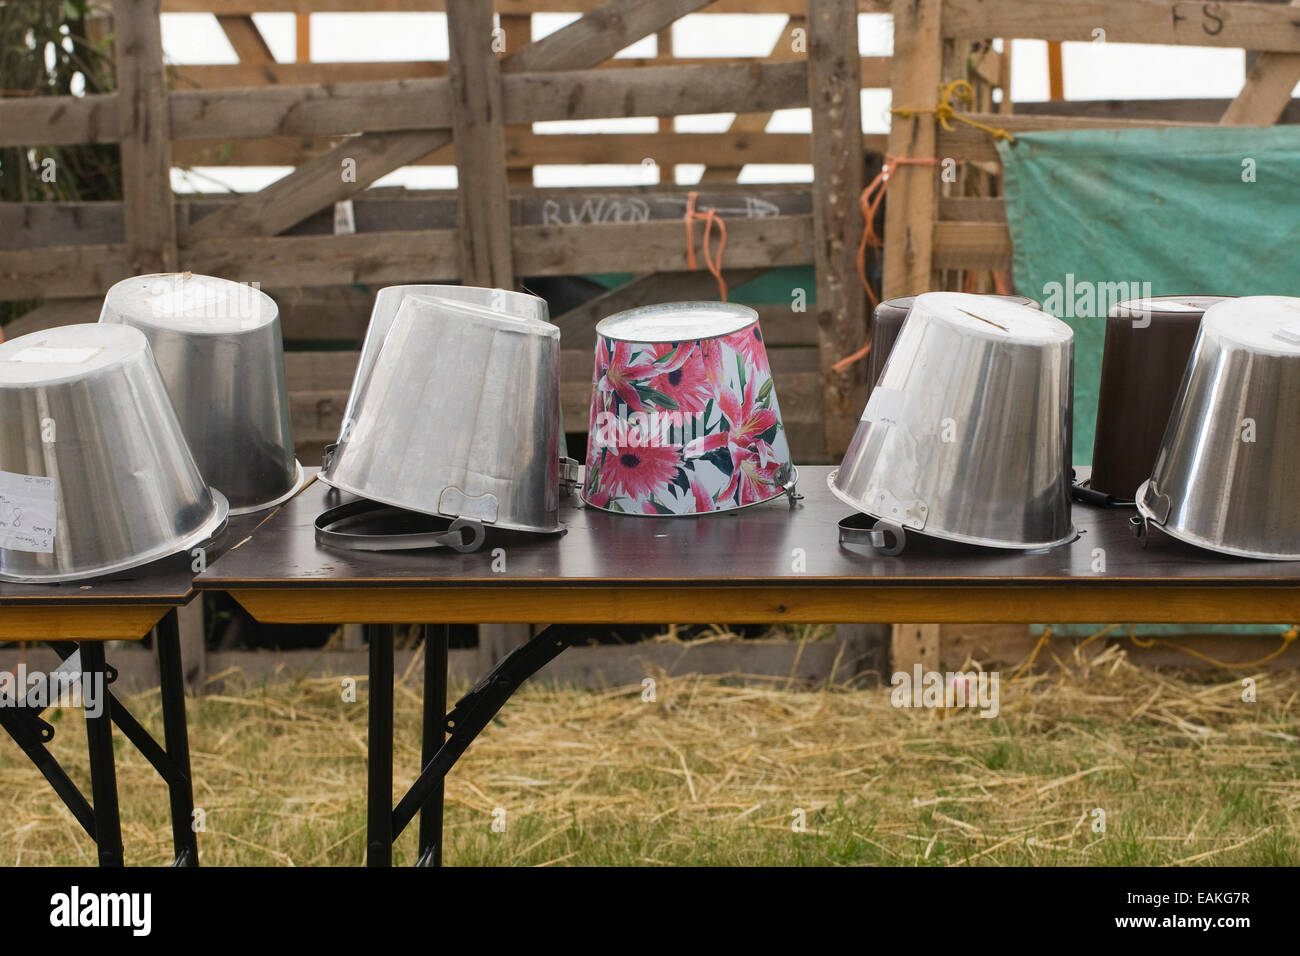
379 804
103 774
176 739
436 640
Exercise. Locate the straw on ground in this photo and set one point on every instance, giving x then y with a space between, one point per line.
1099 763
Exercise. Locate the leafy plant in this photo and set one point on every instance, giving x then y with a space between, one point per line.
47 49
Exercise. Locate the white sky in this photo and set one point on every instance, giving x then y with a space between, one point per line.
1091 71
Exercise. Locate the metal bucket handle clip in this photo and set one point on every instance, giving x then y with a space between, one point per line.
883 536
327 533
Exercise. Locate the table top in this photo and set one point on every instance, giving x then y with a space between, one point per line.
772 546
165 583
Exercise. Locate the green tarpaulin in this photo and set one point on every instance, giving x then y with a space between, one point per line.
1097 216
1100 215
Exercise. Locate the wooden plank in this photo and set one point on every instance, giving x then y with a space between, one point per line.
1055 73
782 49
972 209
79 623
319 371
50 315
149 220
975 145
484 211
317 184
1267 91
972 245
246 40
517 30
656 246
909 210
833 95
1252 26
211 76
525 150
408 256
193 644
745 604
36 224
59 120
302 36
913 644
62 272
502 6
1204 110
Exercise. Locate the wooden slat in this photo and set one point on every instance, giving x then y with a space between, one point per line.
782 49
59 120
795 603
1191 110
317 184
837 216
248 43
517 31
656 246
1252 26
425 104
972 209
212 76
909 210
502 6
972 245
408 256
1267 90
484 210
148 217
975 145
525 150
36 224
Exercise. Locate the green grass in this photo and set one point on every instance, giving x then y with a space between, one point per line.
713 773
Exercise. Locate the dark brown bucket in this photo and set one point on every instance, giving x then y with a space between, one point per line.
1148 344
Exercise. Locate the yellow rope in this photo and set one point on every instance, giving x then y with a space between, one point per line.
945 112
1287 639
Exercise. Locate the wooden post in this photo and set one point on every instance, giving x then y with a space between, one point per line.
479 136
834 82
913 644
145 130
194 648
302 33
1055 73
910 206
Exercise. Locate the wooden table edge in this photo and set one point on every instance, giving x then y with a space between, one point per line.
774 603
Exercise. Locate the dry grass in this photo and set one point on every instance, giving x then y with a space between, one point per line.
713 772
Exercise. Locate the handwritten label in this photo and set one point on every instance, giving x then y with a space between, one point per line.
28 513
44 355
884 405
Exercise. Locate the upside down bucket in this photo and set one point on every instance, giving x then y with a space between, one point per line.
684 414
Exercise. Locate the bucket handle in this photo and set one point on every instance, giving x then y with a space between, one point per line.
328 535
877 537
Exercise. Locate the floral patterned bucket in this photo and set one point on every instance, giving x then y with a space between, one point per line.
684 417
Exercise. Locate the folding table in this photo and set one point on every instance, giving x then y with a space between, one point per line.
76 619
772 563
